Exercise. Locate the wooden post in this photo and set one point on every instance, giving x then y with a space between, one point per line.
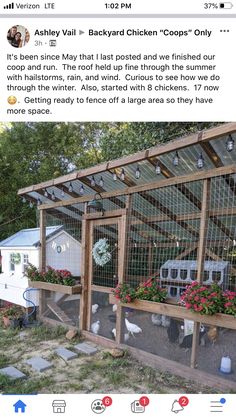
201 259
89 270
42 250
123 254
84 274
203 229
42 258
150 259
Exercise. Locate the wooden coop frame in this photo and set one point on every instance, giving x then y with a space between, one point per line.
121 216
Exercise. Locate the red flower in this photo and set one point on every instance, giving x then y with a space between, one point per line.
203 300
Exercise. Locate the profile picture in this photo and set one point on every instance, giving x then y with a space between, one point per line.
18 36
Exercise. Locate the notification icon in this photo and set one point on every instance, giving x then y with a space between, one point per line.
179 405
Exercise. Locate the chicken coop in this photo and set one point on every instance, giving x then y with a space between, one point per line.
22 249
167 213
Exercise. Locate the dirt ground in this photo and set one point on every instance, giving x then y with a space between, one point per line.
100 373
154 339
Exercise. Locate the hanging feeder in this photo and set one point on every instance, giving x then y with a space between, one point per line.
96 203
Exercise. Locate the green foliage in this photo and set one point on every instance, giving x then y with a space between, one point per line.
209 299
9 386
125 293
44 333
53 276
149 290
12 312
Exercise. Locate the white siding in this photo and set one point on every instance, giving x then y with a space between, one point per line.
13 287
14 283
70 256
19 268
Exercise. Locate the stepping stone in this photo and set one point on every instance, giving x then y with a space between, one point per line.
66 354
12 372
39 364
86 348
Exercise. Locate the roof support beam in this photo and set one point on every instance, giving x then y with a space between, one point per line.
157 204
188 194
178 180
199 138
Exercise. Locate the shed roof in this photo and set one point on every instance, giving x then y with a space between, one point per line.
29 237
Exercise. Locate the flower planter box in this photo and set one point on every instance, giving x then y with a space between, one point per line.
172 310
63 289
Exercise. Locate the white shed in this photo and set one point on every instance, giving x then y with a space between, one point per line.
17 251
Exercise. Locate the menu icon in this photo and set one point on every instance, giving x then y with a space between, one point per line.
217 406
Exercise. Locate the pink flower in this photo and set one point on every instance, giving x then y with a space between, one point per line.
228 304
203 300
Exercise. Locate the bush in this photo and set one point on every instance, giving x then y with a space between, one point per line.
229 302
124 293
203 299
54 276
149 290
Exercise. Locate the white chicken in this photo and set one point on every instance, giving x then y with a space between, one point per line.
114 308
132 328
126 335
95 327
95 308
156 319
165 321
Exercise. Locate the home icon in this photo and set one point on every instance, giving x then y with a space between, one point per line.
59 406
19 406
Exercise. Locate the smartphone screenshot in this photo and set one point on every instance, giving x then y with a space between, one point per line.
117 209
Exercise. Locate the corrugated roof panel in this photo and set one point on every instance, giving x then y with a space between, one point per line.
109 183
142 206
215 233
28 237
172 199
187 161
222 195
195 188
147 173
226 157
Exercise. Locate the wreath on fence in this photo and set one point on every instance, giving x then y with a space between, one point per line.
16 258
101 252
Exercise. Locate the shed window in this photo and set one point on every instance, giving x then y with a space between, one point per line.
12 262
25 262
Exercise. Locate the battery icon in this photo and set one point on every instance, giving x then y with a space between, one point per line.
226 5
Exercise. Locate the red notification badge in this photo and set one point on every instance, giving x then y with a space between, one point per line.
183 401
107 401
144 401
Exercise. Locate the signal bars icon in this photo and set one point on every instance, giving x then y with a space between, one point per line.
9 6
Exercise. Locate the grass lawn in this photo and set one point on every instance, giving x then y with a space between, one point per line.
100 373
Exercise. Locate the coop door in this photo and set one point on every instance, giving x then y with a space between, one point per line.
103 273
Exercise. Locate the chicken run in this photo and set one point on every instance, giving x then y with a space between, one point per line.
166 213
